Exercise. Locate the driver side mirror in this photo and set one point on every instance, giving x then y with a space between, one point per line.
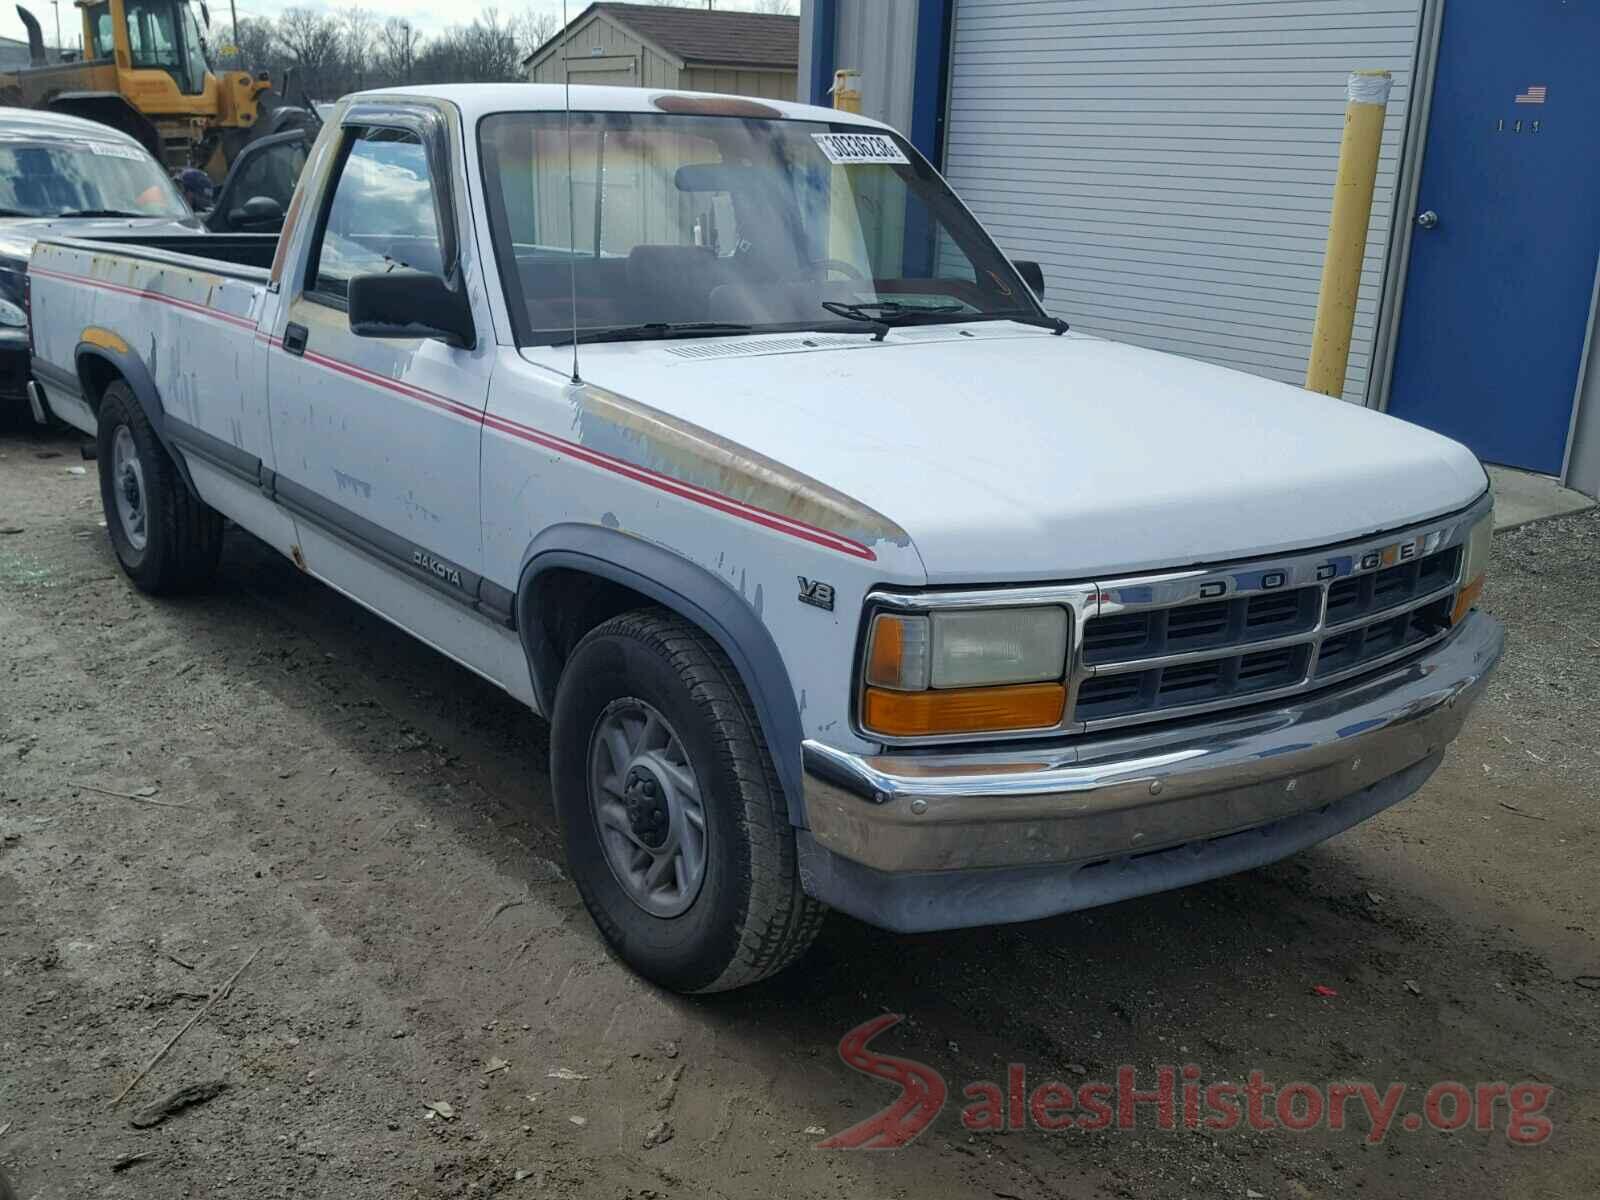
1031 274
410 304
259 214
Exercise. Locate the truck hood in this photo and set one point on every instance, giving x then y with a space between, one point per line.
1007 453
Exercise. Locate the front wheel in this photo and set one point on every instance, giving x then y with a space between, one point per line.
674 821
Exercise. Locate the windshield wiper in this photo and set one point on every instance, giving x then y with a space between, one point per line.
655 331
887 314
16 212
100 212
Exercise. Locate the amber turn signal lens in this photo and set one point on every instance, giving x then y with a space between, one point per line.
1465 599
888 647
964 710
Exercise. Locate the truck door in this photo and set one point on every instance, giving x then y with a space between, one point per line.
377 438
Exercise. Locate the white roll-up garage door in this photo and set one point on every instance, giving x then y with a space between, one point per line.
1171 162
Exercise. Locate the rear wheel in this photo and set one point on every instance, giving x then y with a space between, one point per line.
674 821
165 538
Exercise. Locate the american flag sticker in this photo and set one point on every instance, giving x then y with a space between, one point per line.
1534 95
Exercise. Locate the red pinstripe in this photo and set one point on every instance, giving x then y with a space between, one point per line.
606 462
147 294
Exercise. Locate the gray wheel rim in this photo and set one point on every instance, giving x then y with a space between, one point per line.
647 807
127 486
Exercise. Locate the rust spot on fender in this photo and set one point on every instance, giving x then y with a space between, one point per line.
104 338
298 556
625 428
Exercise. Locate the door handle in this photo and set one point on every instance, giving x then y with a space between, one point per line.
1427 220
294 338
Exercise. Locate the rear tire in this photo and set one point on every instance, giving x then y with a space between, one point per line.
166 539
651 727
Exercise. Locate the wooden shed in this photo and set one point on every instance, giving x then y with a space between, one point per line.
693 49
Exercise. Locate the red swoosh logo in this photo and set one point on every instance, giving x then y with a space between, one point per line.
922 1092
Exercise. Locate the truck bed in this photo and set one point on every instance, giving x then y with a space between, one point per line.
175 316
244 255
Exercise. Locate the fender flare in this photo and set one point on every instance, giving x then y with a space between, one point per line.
127 363
696 595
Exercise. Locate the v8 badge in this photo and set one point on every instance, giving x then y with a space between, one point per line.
816 593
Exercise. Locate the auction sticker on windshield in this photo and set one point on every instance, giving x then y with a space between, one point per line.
845 148
112 150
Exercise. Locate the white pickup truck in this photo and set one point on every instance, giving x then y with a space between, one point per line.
719 432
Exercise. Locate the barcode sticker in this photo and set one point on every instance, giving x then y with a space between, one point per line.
845 148
112 150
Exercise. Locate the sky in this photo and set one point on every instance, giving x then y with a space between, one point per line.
428 15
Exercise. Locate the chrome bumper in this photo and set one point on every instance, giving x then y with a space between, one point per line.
887 833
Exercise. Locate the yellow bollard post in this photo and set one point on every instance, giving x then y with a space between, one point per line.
1367 93
846 90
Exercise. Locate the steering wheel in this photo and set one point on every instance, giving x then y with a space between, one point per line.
824 265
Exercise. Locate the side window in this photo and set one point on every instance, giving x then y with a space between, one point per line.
382 216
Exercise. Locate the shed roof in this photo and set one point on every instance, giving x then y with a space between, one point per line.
702 37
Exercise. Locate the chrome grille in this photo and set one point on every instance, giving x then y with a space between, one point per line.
1146 660
1172 644
1200 626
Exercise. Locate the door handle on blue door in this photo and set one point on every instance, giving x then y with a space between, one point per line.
1427 220
294 338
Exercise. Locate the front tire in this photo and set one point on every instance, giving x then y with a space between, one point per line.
674 820
166 539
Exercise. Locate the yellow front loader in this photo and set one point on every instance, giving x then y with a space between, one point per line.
145 70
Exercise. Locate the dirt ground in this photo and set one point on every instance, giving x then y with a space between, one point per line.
377 823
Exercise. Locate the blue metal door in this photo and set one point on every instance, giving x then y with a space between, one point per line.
1507 230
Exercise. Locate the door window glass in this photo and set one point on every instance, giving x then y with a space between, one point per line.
382 216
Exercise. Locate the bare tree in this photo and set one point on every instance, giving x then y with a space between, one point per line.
533 30
256 48
399 46
358 27
311 39
486 50
777 8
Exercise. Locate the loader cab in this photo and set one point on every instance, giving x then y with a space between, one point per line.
150 35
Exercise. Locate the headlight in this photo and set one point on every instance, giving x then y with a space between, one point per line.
11 314
967 671
1474 565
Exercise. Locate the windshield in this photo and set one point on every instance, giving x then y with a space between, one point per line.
50 179
770 224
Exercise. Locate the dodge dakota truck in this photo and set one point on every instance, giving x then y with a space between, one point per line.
720 433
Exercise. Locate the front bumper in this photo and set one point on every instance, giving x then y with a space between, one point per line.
933 841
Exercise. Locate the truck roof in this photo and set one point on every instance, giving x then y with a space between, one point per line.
480 99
